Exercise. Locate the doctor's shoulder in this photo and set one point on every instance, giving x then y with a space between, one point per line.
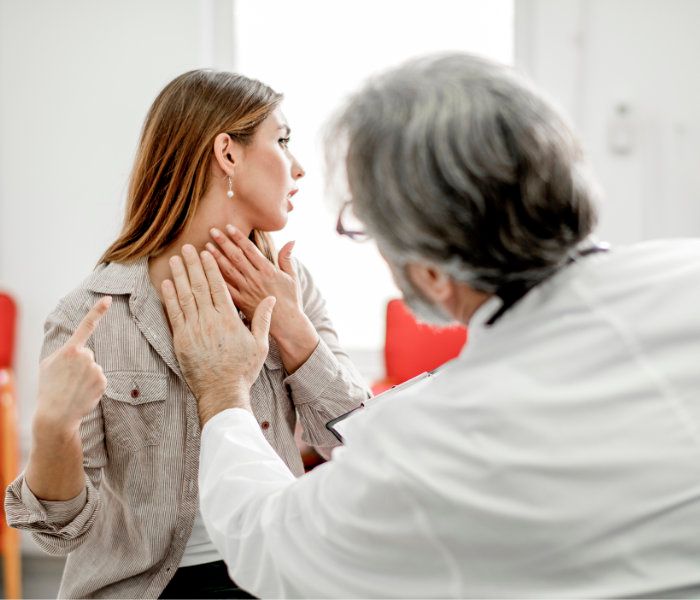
679 256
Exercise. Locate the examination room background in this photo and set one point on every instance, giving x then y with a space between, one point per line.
76 78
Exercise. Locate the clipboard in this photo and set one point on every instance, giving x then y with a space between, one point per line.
336 426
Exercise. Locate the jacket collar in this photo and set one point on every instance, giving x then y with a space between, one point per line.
133 280
118 278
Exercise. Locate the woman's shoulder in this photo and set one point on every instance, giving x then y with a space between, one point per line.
302 271
306 281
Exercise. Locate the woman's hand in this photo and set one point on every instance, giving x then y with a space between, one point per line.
250 277
219 357
71 383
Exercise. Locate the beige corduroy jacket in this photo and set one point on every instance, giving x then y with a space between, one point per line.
126 532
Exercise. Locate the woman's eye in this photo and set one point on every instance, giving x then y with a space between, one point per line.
284 141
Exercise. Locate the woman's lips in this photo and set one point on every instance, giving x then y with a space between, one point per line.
290 206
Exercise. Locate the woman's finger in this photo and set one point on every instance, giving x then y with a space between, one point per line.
260 325
236 296
217 285
89 323
284 259
230 273
233 253
182 286
198 280
249 248
215 252
172 306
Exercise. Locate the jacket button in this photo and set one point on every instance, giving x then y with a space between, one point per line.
135 393
265 424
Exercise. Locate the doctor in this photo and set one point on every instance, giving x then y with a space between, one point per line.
558 456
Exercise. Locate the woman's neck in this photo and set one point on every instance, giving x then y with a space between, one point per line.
197 235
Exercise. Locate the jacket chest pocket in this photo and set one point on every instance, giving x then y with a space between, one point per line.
134 408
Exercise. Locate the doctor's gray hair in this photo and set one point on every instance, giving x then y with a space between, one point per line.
457 161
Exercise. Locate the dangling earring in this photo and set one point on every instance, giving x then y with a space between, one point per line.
230 188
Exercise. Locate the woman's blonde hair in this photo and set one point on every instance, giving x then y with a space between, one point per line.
171 171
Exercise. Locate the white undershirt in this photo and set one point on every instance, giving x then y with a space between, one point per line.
199 549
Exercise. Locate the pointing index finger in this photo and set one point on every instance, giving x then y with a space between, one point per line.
87 326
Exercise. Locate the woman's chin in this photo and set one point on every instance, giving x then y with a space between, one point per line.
283 223
276 224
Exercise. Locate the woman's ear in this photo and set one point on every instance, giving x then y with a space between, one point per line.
227 153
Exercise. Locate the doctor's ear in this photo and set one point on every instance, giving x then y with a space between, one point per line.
436 286
227 152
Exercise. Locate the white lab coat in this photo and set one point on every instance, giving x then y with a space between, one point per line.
558 456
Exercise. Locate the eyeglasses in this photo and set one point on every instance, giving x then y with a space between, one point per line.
349 225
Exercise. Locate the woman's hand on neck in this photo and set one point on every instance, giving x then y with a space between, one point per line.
197 234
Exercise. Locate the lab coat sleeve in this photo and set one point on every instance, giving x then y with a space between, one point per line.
336 532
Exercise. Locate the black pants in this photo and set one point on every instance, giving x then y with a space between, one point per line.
209 580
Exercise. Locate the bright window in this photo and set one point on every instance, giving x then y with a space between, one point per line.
316 52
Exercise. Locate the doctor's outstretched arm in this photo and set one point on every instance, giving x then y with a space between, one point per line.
336 532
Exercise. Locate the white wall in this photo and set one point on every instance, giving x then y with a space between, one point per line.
318 51
593 55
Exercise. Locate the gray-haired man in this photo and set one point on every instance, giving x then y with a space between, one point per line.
558 456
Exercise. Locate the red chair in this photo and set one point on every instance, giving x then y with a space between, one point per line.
8 319
410 347
9 459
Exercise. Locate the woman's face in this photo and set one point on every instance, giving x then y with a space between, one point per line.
265 177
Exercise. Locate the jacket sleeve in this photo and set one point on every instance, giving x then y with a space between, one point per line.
327 385
59 527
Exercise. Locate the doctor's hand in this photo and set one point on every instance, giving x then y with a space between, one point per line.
251 277
71 383
219 357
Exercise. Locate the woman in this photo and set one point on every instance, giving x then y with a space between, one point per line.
112 477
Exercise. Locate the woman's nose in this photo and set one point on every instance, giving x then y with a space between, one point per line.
297 170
